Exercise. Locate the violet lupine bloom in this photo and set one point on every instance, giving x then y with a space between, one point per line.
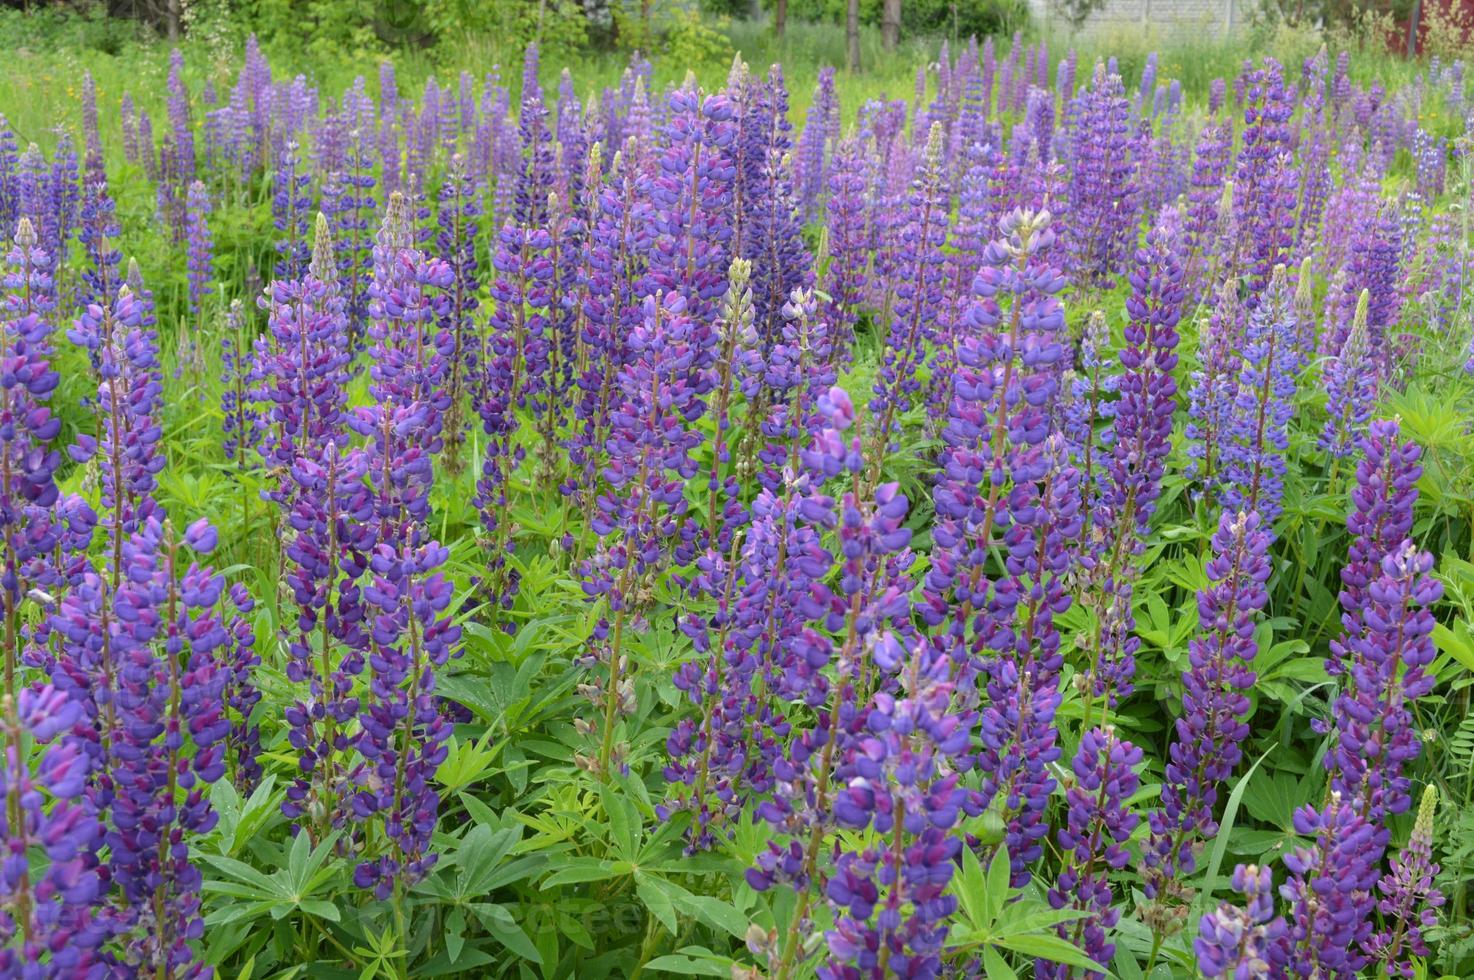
798 370
1258 434
200 251
49 925
239 422
901 785
817 145
291 204
98 230
919 278
1410 901
872 591
332 519
240 658
62 196
513 372
1215 386
1018 733
30 290
1102 200
1205 191
404 732
1381 518
845 279
692 192
772 238
1351 386
10 162
1210 729
1094 838
168 744
1330 890
1085 414
641 517
1375 264
129 403
1248 942
1148 385
410 349
459 224
536 171
1265 182
181 126
617 253
1141 440
998 419
752 643
27 427
348 201
1388 650
300 372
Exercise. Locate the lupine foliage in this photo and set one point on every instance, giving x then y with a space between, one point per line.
1022 530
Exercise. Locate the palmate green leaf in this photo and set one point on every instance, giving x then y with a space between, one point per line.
578 870
653 894
1049 947
624 822
997 884
995 967
442 965
692 961
499 921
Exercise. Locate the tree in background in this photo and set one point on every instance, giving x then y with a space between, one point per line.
852 35
890 25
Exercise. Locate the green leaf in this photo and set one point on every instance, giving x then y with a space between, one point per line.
1225 827
455 933
1050 948
691 966
503 927
579 870
321 909
997 890
995 966
657 900
624 822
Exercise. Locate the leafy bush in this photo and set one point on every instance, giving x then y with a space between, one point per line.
950 18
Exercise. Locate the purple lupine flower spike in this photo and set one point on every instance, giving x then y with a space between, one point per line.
1211 729
1410 901
1330 890
1103 212
406 598
1094 842
1215 386
1257 437
1351 386
1244 943
920 275
52 916
1265 181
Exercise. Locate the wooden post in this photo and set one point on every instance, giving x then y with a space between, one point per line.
852 35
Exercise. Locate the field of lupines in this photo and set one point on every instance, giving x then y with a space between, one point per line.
1022 530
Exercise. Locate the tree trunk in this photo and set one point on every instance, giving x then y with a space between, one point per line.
890 24
852 35
1412 29
780 18
173 20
